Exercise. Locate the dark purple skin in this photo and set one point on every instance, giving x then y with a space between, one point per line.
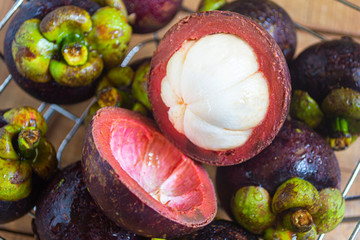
219 230
152 15
50 92
325 66
273 18
297 151
66 211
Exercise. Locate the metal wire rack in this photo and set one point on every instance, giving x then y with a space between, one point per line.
77 118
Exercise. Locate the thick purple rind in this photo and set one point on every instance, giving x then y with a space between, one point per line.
119 203
66 211
273 18
297 151
327 65
50 92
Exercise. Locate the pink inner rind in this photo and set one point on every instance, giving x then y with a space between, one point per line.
201 194
157 166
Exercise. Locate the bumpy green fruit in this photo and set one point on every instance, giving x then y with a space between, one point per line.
251 208
296 193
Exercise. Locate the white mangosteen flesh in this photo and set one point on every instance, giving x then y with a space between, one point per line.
157 166
215 91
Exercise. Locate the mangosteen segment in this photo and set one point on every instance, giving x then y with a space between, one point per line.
215 91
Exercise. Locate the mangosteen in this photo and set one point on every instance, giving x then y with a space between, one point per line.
221 229
124 87
213 91
326 83
66 211
57 50
140 180
272 17
151 15
286 189
27 160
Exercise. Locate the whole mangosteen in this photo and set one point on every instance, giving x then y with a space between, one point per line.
326 83
66 211
291 187
219 87
56 50
151 15
27 160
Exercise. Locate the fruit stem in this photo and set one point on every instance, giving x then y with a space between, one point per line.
74 50
28 141
298 220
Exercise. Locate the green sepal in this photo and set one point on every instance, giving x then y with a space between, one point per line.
305 109
32 52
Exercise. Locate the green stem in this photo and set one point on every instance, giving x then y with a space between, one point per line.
28 141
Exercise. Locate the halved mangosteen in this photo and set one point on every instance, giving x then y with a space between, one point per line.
140 180
219 87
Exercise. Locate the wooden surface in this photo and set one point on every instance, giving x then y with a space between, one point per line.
327 16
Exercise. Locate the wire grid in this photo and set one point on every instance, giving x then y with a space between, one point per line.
78 120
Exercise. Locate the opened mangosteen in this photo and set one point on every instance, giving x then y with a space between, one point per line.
272 17
326 83
219 87
66 211
148 16
56 50
291 187
27 160
140 180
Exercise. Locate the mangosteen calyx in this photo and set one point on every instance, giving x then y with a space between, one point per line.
68 46
24 150
296 208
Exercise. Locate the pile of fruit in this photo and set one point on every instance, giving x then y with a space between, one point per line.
221 89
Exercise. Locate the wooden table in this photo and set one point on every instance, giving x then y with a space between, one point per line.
329 17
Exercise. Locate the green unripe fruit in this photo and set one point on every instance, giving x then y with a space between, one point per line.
251 207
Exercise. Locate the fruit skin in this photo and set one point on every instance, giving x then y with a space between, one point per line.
40 168
51 91
66 210
326 66
122 204
151 15
273 18
202 24
221 229
297 151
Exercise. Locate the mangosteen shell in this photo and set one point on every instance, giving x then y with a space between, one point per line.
51 91
199 25
116 200
66 211
297 151
219 230
325 66
151 15
273 18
